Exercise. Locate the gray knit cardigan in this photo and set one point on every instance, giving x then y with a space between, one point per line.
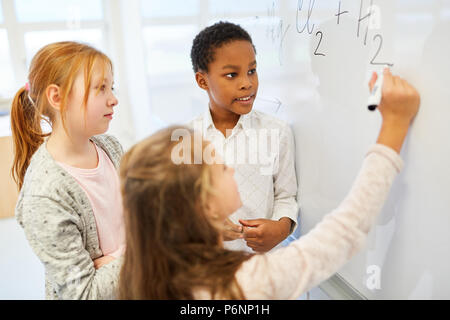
59 224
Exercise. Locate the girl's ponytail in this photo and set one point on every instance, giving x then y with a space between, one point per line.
26 133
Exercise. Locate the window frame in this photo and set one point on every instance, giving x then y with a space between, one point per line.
16 30
114 43
122 28
201 20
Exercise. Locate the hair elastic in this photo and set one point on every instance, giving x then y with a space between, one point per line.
27 88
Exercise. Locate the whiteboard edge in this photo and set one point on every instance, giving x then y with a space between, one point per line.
337 288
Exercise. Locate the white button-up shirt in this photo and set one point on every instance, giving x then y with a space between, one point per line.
260 148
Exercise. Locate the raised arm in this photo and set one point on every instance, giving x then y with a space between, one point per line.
291 271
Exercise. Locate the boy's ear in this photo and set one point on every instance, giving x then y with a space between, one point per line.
202 82
53 94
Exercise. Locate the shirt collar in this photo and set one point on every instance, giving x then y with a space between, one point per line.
207 121
243 122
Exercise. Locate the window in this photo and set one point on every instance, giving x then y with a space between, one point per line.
239 7
168 32
173 8
34 40
7 73
28 25
51 10
47 21
169 49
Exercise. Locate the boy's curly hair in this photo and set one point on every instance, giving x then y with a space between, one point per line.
213 37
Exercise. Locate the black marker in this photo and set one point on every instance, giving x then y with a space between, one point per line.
375 95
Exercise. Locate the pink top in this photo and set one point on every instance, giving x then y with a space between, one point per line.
102 188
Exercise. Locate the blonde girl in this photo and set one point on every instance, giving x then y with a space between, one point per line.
174 214
70 204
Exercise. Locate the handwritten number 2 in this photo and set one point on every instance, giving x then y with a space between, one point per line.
318 45
378 52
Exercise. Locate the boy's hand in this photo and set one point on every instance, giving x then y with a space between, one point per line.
100 262
232 231
263 234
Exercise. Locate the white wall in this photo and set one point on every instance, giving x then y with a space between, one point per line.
21 273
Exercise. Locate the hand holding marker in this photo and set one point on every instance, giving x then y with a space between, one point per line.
398 103
386 88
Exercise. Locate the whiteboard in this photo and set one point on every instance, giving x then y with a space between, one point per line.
314 60
324 52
